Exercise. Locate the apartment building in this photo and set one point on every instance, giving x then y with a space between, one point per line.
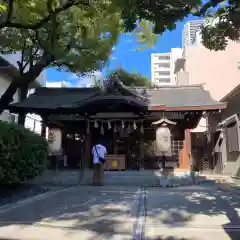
218 71
162 67
189 32
56 84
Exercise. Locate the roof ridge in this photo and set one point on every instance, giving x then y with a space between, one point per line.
167 86
180 86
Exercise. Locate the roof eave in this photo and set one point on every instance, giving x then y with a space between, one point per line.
231 93
188 108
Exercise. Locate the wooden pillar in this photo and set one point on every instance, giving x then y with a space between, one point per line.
141 145
115 139
44 125
185 155
87 155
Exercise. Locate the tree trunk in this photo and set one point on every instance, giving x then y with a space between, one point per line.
24 80
23 96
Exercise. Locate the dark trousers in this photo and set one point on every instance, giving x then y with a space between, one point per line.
98 174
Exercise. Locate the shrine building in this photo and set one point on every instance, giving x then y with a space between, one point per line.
138 125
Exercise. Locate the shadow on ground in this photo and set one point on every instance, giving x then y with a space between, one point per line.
204 210
107 212
91 210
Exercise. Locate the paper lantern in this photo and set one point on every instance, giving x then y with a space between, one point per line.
163 141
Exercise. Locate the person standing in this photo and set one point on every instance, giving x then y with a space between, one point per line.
99 152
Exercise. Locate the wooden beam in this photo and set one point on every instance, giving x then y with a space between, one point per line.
189 108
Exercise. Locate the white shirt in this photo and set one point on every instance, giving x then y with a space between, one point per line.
98 151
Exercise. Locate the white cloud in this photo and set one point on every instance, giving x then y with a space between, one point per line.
58 84
89 79
86 81
113 58
73 76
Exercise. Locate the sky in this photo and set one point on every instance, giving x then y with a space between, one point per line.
124 54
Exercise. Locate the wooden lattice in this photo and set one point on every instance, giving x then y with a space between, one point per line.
177 146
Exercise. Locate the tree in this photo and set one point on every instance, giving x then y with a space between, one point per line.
131 79
223 23
77 35
78 40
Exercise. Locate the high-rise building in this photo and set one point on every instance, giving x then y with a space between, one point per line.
162 67
189 32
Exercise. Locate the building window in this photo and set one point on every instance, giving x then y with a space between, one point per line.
164 58
164 80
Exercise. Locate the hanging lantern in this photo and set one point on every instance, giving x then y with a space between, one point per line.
134 125
123 125
129 128
88 127
109 125
187 117
96 124
142 130
102 130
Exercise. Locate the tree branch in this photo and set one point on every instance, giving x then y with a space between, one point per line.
54 33
24 80
20 63
31 59
49 6
10 10
39 24
209 4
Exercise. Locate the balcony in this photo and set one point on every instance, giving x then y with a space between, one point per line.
162 80
163 73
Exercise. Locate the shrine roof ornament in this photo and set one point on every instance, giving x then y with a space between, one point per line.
164 122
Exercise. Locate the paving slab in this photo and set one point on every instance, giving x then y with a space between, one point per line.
84 212
196 213
97 213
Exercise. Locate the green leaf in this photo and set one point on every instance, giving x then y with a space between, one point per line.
3 7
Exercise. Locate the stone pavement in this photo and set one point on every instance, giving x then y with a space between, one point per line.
196 213
84 212
121 212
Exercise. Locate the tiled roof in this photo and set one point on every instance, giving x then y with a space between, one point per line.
52 98
175 96
190 96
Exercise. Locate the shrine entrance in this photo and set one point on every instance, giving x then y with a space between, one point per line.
122 140
73 145
124 117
